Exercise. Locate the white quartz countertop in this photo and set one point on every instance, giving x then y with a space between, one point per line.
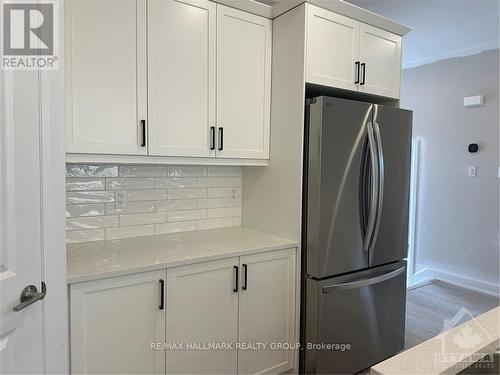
102 259
444 354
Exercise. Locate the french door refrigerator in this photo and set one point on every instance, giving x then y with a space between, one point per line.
355 223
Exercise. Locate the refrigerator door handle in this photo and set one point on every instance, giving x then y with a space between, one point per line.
380 198
364 282
372 216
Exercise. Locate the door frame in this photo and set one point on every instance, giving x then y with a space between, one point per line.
55 314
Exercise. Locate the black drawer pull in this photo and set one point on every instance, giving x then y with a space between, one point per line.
212 138
143 129
236 279
245 278
162 294
221 139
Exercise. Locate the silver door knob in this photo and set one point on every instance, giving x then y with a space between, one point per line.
30 295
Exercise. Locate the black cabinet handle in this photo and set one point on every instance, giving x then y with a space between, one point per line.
236 279
245 281
363 65
221 139
143 129
356 67
212 138
162 294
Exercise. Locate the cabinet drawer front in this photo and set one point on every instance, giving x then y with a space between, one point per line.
181 77
332 49
243 83
381 52
267 311
105 51
113 323
202 308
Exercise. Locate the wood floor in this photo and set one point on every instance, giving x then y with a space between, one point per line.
429 305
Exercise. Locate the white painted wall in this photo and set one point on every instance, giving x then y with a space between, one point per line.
457 232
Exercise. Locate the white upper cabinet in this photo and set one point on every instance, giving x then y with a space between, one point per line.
105 76
381 52
174 78
332 49
243 84
350 55
113 323
267 311
181 77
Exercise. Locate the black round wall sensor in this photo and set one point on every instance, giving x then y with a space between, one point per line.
473 148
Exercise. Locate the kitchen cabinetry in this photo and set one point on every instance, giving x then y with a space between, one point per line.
234 301
243 84
208 79
105 68
267 310
181 77
113 323
381 52
202 307
245 300
332 49
351 55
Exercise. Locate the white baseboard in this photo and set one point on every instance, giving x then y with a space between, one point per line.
427 274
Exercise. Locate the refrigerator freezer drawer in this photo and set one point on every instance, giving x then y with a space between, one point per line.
360 315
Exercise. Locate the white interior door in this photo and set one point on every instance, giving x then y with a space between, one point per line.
181 77
105 76
33 335
243 84
332 49
267 311
380 51
202 307
21 340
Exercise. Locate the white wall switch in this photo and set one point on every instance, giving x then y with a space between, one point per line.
473 101
121 199
471 171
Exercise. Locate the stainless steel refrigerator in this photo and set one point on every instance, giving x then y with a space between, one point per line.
355 229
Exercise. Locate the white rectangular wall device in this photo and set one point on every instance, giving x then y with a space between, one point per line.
474 101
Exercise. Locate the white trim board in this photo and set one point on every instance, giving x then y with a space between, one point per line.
170 160
428 274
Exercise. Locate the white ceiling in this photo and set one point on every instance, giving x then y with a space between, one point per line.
441 28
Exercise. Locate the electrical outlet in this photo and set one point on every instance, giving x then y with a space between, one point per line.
120 198
233 194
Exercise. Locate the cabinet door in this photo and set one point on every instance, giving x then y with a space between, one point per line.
267 311
202 308
105 51
243 84
181 77
332 49
113 323
381 52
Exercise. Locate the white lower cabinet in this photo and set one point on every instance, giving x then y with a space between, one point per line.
205 316
202 308
113 323
241 301
267 311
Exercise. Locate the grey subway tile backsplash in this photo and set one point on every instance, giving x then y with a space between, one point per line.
160 199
